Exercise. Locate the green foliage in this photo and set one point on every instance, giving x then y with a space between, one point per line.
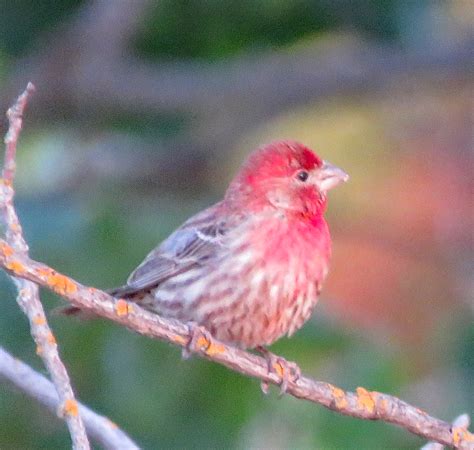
21 21
215 29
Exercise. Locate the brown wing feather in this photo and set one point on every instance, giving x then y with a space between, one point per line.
192 244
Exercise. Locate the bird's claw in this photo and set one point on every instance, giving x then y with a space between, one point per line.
200 340
288 371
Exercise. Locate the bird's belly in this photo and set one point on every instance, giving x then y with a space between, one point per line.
252 321
256 312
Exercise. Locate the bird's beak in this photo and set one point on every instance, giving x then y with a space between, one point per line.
330 176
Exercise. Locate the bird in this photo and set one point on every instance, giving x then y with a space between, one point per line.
248 269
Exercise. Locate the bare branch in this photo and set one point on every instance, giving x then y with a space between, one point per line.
28 293
100 428
15 117
362 404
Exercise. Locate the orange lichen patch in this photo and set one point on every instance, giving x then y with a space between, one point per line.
15 266
50 338
15 227
203 342
279 369
70 407
210 348
339 397
122 308
6 249
61 284
365 399
39 350
460 434
39 319
177 339
457 434
215 349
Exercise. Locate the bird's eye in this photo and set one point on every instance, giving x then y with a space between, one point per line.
302 175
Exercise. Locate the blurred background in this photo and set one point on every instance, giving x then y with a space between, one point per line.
144 111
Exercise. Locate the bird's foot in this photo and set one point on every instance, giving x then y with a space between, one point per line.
200 340
288 371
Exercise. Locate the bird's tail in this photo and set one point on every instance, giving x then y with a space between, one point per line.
118 292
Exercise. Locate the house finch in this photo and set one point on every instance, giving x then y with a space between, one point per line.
249 268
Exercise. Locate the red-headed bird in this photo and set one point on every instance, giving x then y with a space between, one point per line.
249 268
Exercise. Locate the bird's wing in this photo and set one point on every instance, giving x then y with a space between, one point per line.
192 244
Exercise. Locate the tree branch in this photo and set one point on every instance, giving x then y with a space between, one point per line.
362 404
98 427
28 293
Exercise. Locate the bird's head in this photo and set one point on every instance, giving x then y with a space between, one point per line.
288 176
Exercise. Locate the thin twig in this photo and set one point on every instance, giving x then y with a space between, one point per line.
28 293
363 404
100 428
15 118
